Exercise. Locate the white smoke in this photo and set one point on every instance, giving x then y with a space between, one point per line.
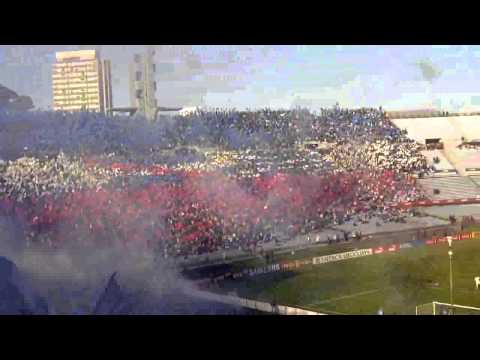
72 280
430 72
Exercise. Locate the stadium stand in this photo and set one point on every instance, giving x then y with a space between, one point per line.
453 131
469 126
442 164
451 187
451 127
465 160
475 179
420 129
252 304
256 185
455 157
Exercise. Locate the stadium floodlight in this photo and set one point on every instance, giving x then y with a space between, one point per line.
450 255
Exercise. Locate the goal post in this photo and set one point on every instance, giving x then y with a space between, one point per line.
425 309
438 308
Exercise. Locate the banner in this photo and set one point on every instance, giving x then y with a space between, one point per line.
457 237
393 247
262 270
447 171
475 200
237 275
378 250
341 256
290 265
287 266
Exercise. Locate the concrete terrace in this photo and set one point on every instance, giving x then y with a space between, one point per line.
451 187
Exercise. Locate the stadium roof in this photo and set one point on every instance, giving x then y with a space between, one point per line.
134 109
443 127
398 114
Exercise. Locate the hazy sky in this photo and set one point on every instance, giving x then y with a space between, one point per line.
395 77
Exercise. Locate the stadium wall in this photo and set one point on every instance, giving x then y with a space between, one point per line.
451 128
253 304
427 203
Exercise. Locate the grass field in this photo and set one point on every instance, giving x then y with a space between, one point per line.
395 282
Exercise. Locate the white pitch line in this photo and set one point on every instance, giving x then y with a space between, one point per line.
346 297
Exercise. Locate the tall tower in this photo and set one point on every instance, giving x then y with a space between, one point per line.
107 86
142 83
81 82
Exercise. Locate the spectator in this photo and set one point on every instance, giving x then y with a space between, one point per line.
114 183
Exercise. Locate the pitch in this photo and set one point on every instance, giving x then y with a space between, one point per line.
393 283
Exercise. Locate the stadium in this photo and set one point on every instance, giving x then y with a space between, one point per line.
339 211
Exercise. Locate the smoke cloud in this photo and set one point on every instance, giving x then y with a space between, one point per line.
73 279
430 72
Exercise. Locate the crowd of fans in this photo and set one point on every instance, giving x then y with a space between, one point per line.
94 133
363 125
198 213
126 180
403 157
29 177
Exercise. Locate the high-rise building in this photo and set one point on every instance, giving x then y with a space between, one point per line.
81 82
107 86
142 84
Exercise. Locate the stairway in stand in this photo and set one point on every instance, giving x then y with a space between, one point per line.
475 179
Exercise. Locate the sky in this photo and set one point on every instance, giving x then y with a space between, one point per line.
395 77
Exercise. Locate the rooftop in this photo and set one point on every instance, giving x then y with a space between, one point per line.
77 55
